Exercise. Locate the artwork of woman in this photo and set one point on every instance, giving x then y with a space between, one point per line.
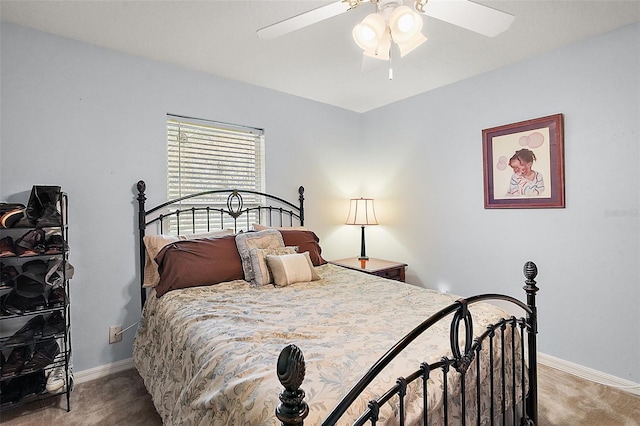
511 179
525 182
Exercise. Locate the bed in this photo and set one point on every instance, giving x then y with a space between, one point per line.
247 324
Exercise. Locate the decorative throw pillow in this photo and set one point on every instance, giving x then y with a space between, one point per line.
307 241
199 262
292 268
154 243
262 275
269 238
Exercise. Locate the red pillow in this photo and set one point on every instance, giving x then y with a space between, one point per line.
306 241
198 262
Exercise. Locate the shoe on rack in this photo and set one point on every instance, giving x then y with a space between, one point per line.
55 244
15 362
14 304
28 285
49 200
54 273
7 247
37 268
42 208
7 207
58 271
8 275
31 212
32 243
56 382
10 218
53 325
32 384
43 354
31 282
29 331
57 297
10 391
37 303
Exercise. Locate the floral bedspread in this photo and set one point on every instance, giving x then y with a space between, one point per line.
208 354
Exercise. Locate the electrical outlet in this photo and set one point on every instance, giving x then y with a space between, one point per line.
113 334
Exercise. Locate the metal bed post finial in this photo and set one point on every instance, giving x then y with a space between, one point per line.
142 186
530 271
292 409
301 199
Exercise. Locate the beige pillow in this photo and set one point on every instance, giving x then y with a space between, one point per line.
262 275
154 243
292 268
269 238
260 227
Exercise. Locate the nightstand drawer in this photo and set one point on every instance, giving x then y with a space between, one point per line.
392 274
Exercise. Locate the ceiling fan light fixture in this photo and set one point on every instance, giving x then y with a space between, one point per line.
405 24
382 49
408 46
369 32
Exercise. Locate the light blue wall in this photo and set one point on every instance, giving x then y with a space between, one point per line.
92 120
588 253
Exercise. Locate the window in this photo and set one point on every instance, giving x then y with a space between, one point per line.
205 155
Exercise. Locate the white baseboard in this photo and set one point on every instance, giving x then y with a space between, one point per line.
589 373
101 371
544 359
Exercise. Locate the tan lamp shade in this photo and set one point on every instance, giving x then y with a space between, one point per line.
361 212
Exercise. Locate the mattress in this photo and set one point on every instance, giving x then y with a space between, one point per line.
208 354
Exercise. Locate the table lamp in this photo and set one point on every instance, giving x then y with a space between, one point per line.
361 212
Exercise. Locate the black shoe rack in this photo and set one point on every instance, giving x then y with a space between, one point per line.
35 332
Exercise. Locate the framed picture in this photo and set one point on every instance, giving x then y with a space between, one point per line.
524 164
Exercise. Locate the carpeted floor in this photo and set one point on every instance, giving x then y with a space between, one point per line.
121 399
565 399
117 399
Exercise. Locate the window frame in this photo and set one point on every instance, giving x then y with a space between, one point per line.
231 157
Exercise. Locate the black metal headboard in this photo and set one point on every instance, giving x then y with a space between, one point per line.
196 212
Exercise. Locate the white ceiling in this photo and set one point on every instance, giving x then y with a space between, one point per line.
320 62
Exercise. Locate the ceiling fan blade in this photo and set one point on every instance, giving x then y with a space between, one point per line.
472 16
303 20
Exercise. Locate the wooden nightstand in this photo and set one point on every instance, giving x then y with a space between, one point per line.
379 267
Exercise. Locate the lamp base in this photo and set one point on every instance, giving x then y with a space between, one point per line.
363 252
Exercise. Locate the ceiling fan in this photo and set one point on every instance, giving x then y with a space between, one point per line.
397 23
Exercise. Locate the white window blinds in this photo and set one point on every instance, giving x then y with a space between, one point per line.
206 155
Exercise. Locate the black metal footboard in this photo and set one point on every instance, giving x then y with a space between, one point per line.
477 371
